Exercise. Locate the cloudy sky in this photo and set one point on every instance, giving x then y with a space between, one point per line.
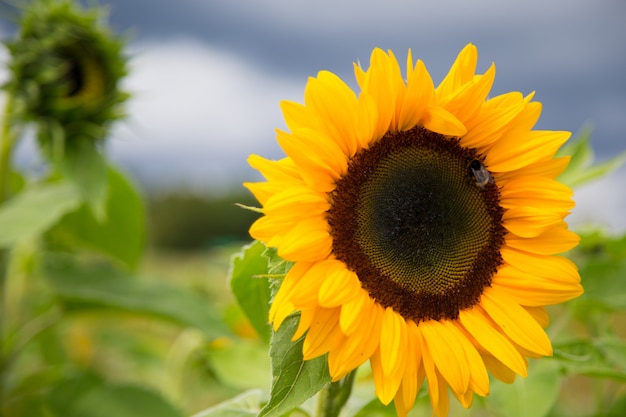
207 76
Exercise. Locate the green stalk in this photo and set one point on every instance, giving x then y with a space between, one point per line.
334 396
8 137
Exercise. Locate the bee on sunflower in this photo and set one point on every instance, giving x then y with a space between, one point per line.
424 225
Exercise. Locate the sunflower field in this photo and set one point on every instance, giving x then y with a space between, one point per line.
409 256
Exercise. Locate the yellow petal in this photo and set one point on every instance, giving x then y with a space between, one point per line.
323 335
532 290
498 369
357 347
309 240
319 158
419 96
553 240
516 150
530 221
461 72
439 120
539 192
465 102
392 342
515 322
553 267
492 340
340 286
352 312
447 353
334 103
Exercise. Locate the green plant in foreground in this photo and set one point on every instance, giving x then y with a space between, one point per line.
71 240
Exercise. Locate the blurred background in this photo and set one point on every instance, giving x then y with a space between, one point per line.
207 78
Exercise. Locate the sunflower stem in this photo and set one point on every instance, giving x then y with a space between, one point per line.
334 396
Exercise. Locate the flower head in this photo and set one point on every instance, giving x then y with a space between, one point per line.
65 72
424 225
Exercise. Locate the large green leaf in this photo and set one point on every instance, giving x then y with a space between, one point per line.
243 405
35 210
294 380
119 233
251 287
99 284
89 396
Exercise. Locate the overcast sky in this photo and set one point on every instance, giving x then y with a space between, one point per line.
207 76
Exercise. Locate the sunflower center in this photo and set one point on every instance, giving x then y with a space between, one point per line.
417 217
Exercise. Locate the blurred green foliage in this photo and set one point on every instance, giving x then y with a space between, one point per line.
190 221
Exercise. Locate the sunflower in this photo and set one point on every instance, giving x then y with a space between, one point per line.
66 69
424 225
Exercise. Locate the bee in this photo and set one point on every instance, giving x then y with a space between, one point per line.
482 176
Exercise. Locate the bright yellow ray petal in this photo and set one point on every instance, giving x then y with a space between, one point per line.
553 240
461 72
418 97
439 120
515 322
281 306
321 160
309 240
516 150
493 119
392 342
492 340
553 267
299 201
359 346
466 102
529 221
532 290
352 311
323 335
405 397
498 369
539 192
386 385
334 103
340 286
447 353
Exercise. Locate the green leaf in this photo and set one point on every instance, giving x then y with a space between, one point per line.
603 357
294 380
602 265
581 168
35 210
532 396
250 286
120 233
88 397
98 284
277 266
243 405
85 166
242 357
